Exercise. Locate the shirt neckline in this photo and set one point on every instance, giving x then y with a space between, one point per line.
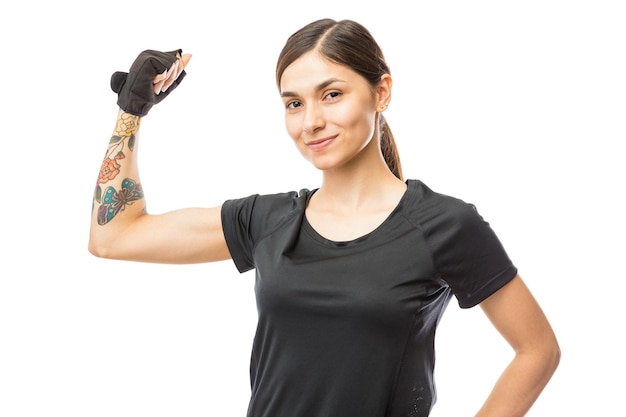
349 243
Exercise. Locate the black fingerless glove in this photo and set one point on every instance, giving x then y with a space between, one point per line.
135 89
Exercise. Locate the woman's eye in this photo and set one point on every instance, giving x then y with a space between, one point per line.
333 95
293 104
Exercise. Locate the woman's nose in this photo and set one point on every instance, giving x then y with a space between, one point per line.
313 119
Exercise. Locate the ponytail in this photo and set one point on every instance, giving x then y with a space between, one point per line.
389 149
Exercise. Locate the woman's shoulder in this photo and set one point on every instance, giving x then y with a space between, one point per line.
425 195
270 207
283 201
426 205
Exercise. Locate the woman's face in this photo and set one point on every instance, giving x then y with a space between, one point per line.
330 110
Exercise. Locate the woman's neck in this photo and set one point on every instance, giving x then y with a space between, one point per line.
354 200
359 186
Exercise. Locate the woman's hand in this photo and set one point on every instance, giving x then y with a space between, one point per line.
152 76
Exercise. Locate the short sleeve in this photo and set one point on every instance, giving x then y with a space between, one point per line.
246 221
236 223
468 255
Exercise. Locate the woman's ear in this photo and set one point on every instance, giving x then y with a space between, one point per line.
383 92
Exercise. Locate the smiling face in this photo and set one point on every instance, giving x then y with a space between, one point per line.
330 110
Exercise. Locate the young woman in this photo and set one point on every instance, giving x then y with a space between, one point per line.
351 278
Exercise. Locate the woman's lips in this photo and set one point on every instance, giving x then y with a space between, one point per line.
319 144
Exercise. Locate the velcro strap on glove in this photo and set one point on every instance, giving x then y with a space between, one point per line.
135 89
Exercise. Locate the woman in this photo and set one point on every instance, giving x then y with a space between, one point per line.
351 278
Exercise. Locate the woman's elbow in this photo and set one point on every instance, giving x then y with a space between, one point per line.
99 251
554 355
100 247
548 357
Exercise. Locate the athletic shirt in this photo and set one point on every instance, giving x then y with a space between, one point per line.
346 329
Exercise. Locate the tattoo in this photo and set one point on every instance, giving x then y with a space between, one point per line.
111 201
127 124
115 201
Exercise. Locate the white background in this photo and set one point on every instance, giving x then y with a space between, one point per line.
517 107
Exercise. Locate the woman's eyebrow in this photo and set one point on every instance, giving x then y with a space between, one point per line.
319 87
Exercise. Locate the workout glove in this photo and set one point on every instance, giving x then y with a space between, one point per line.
135 90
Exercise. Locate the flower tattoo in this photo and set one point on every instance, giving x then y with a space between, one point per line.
112 201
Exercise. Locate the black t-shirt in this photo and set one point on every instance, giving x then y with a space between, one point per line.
346 329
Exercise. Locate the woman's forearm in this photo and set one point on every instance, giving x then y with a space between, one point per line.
118 195
522 382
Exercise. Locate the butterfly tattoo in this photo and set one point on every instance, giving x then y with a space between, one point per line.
115 201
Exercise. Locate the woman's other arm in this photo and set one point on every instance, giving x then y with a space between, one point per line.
520 320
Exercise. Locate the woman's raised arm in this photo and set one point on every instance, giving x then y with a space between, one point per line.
121 228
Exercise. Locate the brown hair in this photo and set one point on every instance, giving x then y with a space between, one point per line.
348 43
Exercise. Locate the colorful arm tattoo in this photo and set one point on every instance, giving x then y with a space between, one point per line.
113 201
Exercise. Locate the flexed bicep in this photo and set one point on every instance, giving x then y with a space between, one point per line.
184 236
